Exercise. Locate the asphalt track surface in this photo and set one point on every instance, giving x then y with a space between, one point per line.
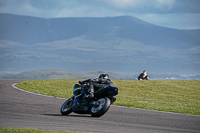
26 110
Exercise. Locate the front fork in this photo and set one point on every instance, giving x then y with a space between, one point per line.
112 99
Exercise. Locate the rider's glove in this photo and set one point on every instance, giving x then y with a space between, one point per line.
80 82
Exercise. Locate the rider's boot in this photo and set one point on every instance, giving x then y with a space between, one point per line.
87 98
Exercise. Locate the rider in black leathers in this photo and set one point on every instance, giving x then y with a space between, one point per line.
96 84
91 85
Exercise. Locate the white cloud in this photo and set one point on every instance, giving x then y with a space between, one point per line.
177 21
165 5
123 3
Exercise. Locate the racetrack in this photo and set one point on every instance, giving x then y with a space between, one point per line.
26 110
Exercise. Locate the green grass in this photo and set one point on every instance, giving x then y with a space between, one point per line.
30 130
179 96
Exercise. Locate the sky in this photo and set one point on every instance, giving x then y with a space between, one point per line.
178 14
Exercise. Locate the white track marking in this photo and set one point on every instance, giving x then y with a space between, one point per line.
33 92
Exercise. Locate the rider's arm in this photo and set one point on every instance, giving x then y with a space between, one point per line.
103 81
85 81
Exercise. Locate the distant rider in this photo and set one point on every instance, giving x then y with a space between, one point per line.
143 75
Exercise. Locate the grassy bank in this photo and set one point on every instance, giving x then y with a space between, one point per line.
179 96
30 130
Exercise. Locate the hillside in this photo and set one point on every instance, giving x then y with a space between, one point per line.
118 44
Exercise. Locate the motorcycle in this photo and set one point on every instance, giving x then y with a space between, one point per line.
96 106
143 77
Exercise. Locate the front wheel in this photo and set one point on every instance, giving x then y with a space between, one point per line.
102 108
66 108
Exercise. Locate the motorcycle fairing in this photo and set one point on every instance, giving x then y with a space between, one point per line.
107 91
78 92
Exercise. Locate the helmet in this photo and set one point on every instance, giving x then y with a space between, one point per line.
104 76
144 71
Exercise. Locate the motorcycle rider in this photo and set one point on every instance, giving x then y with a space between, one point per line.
96 84
89 86
143 75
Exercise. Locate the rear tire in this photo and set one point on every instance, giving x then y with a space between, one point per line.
66 108
97 111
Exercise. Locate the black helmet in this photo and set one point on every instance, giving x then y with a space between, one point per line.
144 71
104 76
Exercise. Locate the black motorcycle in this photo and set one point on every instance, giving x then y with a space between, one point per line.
96 106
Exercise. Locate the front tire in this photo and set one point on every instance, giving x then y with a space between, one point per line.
66 108
102 108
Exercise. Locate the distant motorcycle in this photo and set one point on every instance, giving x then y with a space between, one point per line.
143 76
96 107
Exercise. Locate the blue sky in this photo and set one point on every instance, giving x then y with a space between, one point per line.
178 14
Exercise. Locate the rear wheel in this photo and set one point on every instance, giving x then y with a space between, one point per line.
102 108
66 108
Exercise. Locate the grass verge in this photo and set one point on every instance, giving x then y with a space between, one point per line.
30 130
179 96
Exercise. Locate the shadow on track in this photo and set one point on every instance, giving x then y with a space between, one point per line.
68 115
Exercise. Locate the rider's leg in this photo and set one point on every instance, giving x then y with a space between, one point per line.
90 91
